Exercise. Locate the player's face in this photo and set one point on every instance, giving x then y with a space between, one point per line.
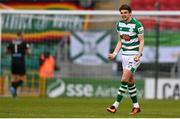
125 15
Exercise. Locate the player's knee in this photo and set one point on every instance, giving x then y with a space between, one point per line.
130 82
124 80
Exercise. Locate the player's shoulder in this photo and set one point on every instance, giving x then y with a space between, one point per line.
136 21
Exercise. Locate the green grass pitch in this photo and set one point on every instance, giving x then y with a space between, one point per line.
84 108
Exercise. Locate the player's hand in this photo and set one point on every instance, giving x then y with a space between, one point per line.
137 57
111 56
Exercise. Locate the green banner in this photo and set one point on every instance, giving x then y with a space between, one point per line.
87 88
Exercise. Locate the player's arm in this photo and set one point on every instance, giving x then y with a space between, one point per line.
141 43
28 49
111 56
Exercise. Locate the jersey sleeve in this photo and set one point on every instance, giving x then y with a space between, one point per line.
139 28
117 26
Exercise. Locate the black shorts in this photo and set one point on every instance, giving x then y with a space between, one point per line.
18 67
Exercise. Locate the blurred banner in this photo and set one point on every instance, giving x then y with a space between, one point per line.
90 48
166 89
40 27
87 88
167 54
41 5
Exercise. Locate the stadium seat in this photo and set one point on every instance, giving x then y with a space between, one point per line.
143 4
169 4
149 4
149 24
137 5
174 4
163 26
164 4
169 25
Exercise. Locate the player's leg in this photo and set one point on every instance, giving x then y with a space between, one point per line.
132 87
18 71
14 85
21 72
122 90
23 77
14 78
133 94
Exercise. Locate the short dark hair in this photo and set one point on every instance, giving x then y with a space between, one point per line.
125 7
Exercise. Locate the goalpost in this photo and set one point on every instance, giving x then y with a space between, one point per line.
46 29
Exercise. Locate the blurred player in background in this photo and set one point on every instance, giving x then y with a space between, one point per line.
18 49
46 65
131 33
46 69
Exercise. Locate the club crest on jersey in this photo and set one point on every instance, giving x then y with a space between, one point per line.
131 29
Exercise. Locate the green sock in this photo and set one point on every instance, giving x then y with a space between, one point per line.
119 98
121 91
132 92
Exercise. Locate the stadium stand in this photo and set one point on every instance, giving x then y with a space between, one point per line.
150 24
164 5
175 4
153 4
143 4
150 4
165 25
170 22
169 5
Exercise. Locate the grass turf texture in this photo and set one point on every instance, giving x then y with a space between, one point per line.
84 108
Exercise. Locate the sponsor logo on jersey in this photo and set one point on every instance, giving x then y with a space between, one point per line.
126 37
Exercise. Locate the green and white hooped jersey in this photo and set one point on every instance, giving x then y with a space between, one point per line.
129 36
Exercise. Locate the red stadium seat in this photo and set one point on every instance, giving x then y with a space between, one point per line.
169 25
149 4
169 4
164 4
175 4
149 24
143 4
137 5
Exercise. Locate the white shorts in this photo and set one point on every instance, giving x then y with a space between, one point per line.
129 63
